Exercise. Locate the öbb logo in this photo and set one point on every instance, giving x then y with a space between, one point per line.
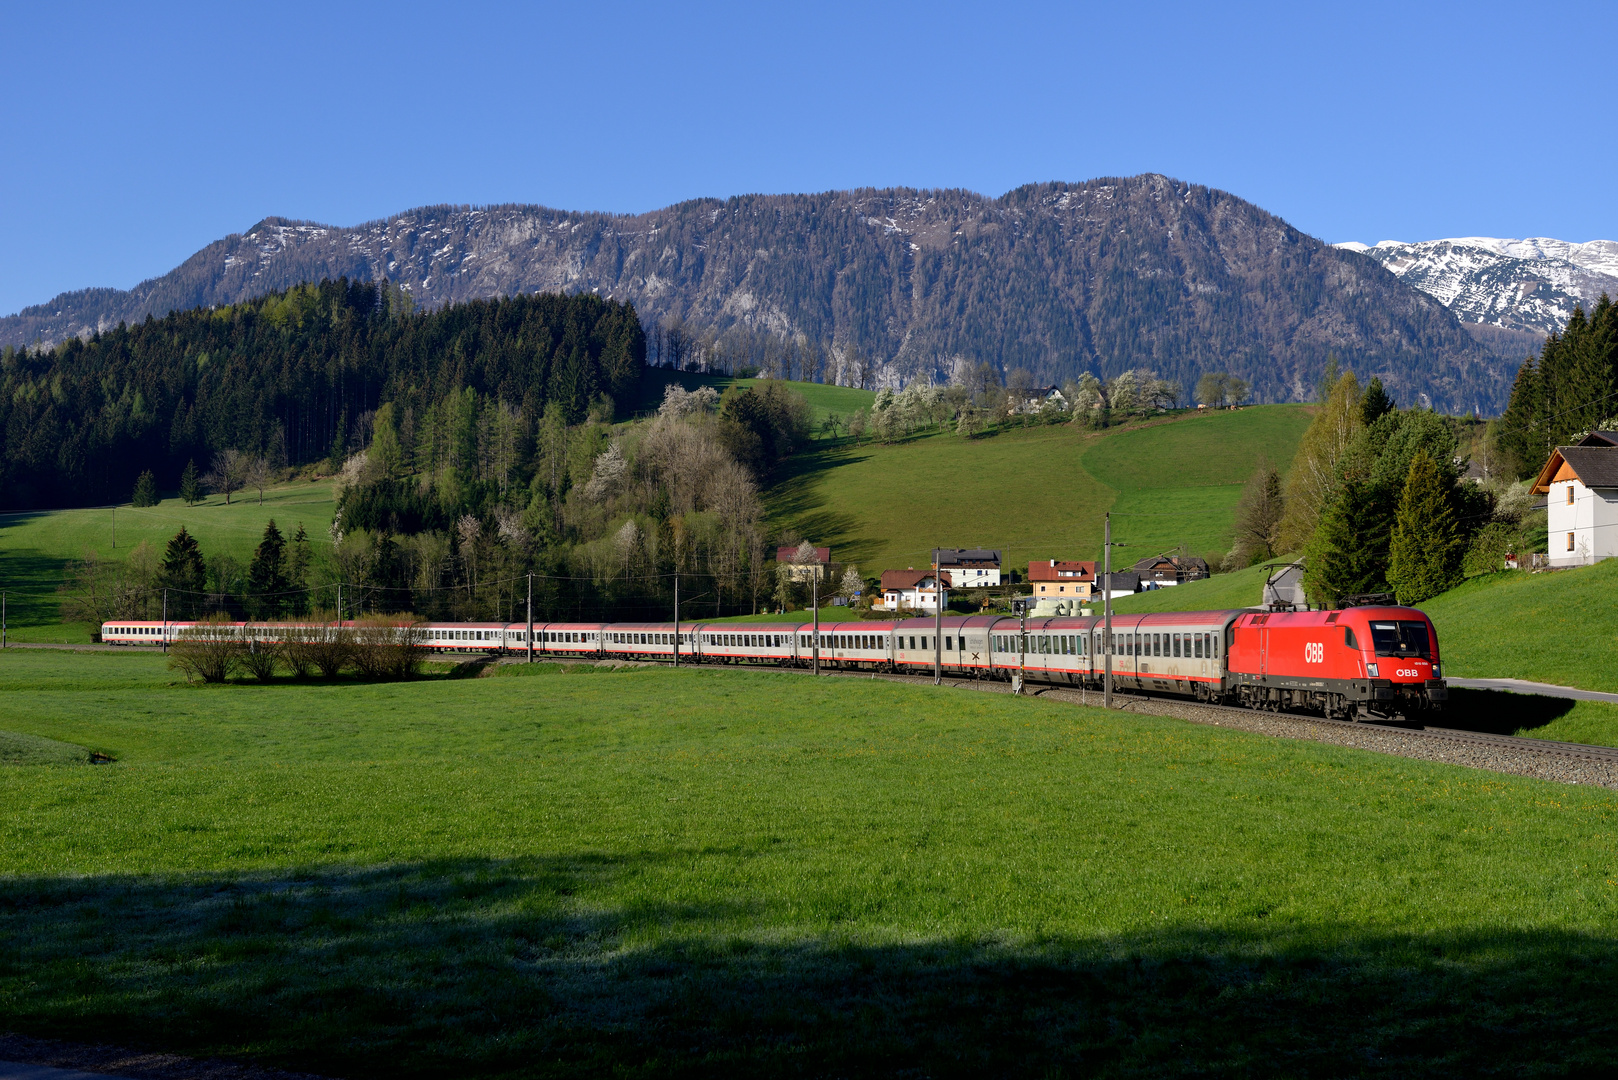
1314 652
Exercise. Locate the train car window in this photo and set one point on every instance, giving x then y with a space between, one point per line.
1196 645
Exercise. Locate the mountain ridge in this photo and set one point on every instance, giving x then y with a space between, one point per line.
1529 285
1055 278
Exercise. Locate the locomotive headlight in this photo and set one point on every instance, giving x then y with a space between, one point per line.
1436 673
1370 669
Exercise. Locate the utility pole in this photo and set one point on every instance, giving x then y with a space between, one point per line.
115 528
938 622
530 616
165 620
339 605
814 602
676 619
1106 610
3 617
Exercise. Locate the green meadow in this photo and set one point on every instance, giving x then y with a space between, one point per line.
35 547
685 873
1036 492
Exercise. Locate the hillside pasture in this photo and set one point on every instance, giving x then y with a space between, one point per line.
651 872
1036 492
36 546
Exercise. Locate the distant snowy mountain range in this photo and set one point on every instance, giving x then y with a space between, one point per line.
1528 286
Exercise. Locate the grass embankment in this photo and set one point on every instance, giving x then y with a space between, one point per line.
1036 493
35 547
685 873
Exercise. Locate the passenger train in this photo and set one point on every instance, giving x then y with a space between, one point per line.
1356 662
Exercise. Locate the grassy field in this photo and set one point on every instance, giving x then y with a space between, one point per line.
34 547
1036 492
650 872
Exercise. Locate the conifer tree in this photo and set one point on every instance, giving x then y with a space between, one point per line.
190 484
1425 551
1376 402
1522 435
184 574
266 574
1346 555
298 561
145 490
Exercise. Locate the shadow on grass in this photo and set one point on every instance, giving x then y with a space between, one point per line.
1498 712
525 968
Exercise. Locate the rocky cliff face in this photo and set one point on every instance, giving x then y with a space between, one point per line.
1055 278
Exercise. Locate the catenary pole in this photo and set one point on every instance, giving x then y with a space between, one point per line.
1106 611
938 622
676 620
3 617
165 620
530 617
814 602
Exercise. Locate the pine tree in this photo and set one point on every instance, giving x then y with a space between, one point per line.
1425 552
145 490
190 484
1347 554
1521 432
298 560
266 574
184 574
1376 402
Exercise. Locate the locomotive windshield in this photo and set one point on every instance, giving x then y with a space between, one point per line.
1401 639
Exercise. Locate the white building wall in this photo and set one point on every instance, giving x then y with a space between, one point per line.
972 577
1591 519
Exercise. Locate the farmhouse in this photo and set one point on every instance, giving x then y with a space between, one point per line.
1580 485
912 589
1063 580
1161 570
969 568
804 563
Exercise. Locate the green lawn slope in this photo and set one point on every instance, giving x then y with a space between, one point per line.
701 873
1036 493
36 547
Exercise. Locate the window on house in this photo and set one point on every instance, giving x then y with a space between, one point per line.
1570 494
1570 541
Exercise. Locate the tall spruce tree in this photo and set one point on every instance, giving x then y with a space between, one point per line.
184 574
145 490
191 484
1426 548
1347 554
266 574
1376 403
298 563
1522 436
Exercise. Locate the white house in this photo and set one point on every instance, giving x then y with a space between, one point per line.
1580 485
968 568
913 590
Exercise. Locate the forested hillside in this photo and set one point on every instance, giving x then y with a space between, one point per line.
1056 279
295 377
1571 388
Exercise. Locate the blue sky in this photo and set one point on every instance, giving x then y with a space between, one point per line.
135 134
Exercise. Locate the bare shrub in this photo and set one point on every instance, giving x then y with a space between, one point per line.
330 647
389 646
295 650
208 652
260 656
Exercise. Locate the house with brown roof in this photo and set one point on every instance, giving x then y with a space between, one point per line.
911 589
1580 485
1162 570
1061 579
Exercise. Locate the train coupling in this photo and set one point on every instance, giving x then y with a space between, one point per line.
1437 690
